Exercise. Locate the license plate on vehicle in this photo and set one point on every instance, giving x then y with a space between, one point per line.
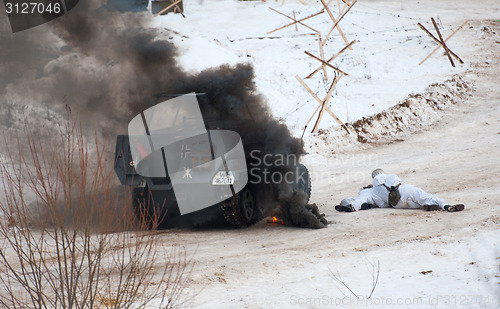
223 178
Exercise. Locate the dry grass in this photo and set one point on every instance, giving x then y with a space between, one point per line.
77 245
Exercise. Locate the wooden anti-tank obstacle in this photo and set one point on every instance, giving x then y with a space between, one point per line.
323 104
324 64
330 60
175 5
295 21
441 42
342 12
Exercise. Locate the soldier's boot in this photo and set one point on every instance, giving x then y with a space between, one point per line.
453 208
431 207
366 206
344 208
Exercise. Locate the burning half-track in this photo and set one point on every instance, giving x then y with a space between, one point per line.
155 202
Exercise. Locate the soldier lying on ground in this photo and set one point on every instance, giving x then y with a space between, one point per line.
388 191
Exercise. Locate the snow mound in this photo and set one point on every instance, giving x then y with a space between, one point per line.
408 116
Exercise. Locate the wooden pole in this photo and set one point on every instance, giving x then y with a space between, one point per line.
346 5
439 42
325 102
325 63
312 116
442 41
329 60
339 19
333 19
281 14
296 21
308 89
167 8
180 11
322 56
295 18
328 110
446 40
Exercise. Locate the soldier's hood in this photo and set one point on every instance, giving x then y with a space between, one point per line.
379 179
392 180
389 180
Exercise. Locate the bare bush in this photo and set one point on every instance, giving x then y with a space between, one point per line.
67 235
375 269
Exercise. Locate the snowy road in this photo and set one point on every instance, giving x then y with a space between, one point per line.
400 258
445 260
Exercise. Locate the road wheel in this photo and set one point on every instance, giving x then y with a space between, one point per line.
247 204
240 210
304 180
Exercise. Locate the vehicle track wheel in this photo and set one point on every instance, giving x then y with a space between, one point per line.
247 204
304 181
239 210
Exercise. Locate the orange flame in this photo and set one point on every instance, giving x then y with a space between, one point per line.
275 220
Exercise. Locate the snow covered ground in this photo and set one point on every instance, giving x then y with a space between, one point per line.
440 272
423 260
382 66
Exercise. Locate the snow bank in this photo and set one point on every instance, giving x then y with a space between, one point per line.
408 116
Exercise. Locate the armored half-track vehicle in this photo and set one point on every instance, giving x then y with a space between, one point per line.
156 196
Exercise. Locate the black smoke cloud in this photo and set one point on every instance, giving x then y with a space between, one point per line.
103 64
107 66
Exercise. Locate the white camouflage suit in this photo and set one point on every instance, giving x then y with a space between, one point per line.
378 195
